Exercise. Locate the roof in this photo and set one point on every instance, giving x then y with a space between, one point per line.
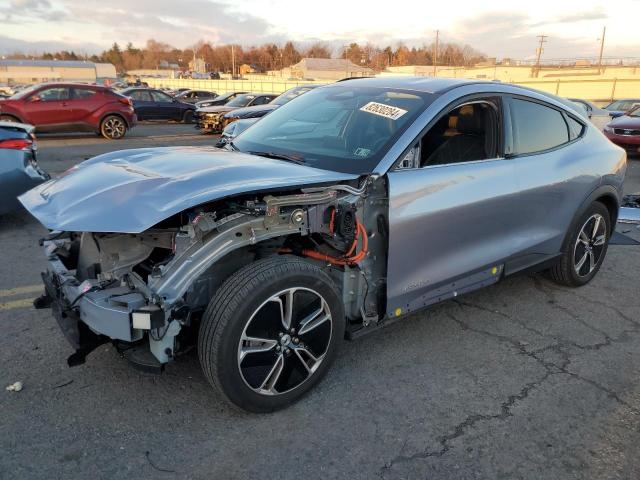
47 63
330 64
421 84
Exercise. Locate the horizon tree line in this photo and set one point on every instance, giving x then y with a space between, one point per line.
269 56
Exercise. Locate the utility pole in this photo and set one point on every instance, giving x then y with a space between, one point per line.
604 31
233 61
435 55
539 52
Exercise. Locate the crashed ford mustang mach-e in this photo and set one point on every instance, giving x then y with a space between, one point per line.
353 205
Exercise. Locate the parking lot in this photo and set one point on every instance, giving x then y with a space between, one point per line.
524 379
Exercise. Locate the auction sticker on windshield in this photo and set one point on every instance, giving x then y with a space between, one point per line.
383 110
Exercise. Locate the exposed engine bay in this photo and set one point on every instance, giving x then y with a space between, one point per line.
155 285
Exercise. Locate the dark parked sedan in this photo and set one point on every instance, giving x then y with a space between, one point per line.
219 100
19 169
625 131
257 111
151 104
209 119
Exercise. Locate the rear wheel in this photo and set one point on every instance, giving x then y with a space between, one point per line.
270 333
585 249
113 127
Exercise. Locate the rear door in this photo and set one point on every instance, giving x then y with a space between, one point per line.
50 108
453 208
85 101
142 103
552 171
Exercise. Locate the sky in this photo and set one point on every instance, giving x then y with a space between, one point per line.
498 28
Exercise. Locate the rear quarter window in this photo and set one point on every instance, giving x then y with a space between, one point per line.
9 133
537 127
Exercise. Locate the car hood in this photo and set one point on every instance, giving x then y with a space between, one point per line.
625 122
132 190
254 111
216 109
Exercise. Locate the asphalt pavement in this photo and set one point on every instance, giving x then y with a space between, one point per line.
522 380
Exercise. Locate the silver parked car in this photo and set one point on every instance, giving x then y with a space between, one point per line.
349 207
19 170
598 116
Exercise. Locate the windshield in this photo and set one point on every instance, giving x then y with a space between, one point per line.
290 95
621 105
25 92
240 101
635 112
341 128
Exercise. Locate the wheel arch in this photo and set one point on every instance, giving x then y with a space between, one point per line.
13 115
116 114
609 196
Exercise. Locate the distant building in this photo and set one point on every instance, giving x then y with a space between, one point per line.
198 65
328 69
36 71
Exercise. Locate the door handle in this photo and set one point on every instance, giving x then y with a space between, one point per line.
64 104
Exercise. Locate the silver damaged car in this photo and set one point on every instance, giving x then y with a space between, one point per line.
352 206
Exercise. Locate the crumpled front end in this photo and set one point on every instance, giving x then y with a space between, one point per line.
146 292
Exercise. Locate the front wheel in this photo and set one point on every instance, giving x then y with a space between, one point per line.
270 333
113 127
8 118
585 249
187 117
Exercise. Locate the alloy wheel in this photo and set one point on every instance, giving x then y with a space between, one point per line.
285 341
589 245
114 128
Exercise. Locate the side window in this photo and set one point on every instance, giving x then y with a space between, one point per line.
260 101
536 127
160 97
140 95
467 133
83 93
53 94
575 128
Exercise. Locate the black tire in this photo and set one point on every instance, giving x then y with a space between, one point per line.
565 272
233 309
113 127
187 117
8 118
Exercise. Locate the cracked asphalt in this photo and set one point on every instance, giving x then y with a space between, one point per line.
522 380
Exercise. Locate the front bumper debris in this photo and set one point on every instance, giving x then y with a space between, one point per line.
90 313
209 122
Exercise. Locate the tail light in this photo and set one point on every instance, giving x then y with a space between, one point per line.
126 100
16 144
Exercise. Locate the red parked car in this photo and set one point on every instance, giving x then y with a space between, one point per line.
625 131
70 107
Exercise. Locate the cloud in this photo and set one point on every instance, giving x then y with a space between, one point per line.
9 45
595 14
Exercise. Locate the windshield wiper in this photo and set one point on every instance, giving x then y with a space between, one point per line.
232 146
280 156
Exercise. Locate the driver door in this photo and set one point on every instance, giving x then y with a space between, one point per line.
49 108
453 209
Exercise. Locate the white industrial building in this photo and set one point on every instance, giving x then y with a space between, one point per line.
35 71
